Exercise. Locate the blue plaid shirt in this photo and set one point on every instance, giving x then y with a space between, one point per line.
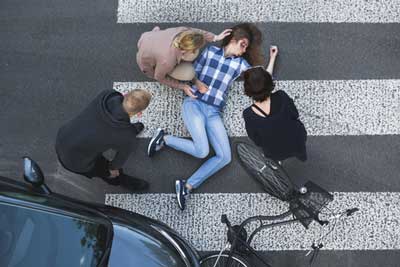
217 72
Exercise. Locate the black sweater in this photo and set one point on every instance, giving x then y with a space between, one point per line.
280 134
101 126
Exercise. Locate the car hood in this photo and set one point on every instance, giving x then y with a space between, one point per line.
154 241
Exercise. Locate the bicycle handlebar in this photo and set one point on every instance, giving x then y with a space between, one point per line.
317 245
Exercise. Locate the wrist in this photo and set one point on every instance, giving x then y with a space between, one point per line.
271 62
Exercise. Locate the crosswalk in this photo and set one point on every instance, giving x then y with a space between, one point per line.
326 107
373 228
353 107
183 11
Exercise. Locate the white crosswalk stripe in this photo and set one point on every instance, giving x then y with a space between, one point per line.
374 227
184 11
347 107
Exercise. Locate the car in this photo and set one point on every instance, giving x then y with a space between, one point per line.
41 228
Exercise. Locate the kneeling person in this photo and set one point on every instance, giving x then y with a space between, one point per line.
103 125
272 122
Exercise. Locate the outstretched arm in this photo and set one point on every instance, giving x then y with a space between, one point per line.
273 53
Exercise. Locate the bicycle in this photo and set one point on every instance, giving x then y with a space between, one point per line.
305 205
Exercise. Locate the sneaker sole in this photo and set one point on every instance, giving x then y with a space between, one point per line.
178 194
152 142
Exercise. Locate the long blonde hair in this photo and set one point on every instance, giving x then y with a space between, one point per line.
189 41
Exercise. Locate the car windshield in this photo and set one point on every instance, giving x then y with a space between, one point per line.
133 247
32 237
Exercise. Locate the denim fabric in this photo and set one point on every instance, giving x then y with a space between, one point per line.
205 126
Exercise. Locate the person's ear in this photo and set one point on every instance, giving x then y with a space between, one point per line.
243 43
139 114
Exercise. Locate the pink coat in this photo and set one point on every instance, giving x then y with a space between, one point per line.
157 56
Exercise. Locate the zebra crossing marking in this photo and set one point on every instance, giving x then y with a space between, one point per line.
319 11
375 227
326 107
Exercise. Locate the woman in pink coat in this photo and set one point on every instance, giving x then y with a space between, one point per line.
167 55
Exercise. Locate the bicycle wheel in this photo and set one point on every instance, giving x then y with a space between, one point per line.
223 261
268 172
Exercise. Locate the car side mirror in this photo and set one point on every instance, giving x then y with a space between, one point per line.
34 175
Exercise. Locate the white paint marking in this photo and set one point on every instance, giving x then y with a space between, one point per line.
326 107
375 227
318 11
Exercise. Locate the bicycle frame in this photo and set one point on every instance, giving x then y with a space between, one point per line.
247 243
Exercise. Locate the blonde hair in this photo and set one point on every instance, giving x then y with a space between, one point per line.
189 40
136 100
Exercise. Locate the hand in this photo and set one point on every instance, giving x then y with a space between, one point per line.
222 35
114 173
188 91
203 88
273 51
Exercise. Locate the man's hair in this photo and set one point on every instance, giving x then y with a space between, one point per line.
136 100
248 31
258 84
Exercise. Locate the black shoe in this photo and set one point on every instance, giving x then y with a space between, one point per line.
112 181
132 183
138 126
156 143
127 181
181 193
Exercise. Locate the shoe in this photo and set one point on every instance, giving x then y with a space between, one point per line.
156 143
181 193
132 183
127 181
138 126
112 181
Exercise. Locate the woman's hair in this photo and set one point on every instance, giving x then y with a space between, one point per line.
253 53
258 83
136 100
189 40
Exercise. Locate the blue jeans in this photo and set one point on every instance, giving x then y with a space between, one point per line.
204 124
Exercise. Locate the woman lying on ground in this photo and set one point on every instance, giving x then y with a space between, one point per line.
216 68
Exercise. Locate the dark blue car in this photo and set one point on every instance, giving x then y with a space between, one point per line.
39 228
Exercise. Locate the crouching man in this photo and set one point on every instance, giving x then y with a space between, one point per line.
103 125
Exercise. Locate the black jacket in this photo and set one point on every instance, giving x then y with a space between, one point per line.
101 126
281 134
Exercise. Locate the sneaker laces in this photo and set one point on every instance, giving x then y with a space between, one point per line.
160 143
185 190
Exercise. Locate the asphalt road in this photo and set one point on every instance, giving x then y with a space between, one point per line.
55 56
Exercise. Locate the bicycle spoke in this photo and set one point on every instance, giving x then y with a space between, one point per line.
270 174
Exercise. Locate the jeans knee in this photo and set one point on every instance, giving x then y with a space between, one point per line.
226 158
202 151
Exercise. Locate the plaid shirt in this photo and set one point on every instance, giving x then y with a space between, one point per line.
217 72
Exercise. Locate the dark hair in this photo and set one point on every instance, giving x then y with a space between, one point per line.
258 83
253 53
